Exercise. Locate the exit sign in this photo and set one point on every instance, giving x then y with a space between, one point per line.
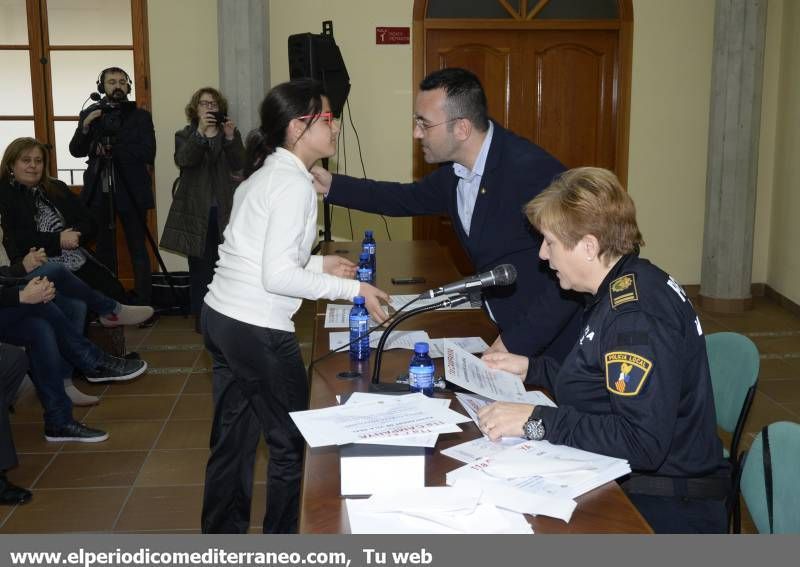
392 36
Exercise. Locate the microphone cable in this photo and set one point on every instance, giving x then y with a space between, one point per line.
376 327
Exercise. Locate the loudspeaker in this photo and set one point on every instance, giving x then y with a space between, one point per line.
317 56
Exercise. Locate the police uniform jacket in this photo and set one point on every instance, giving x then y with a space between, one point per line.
534 316
134 150
636 384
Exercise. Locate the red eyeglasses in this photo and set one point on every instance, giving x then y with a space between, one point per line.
327 117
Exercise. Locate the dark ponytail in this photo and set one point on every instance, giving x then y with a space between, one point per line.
283 103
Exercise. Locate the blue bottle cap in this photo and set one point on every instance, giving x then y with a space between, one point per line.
364 256
421 348
358 300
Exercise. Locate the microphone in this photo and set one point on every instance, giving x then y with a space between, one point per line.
504 274
95 96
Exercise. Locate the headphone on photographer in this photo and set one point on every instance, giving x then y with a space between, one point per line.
101 79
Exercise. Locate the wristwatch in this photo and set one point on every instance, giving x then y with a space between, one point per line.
534 427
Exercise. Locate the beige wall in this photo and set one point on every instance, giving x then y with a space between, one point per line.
183 58
784 257
669 115
381 95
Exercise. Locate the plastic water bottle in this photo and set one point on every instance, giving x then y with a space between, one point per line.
368 245
364 272
359 325
420 371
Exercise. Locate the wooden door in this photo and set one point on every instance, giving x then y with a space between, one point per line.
562 85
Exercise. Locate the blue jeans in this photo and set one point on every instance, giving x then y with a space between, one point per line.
69 286
54 347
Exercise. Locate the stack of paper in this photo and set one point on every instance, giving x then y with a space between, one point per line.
464 509
541 469
337 316
378 419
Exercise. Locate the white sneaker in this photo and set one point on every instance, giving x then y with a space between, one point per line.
128 315
79 398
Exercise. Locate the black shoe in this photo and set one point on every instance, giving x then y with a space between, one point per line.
113 368
11 494
74 431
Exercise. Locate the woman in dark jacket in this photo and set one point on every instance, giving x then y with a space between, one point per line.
210 155
41 212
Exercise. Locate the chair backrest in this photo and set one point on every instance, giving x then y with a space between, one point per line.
734 362
784 444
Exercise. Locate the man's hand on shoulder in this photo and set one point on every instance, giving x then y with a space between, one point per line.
322 179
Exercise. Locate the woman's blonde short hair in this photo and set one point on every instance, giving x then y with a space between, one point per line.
587 200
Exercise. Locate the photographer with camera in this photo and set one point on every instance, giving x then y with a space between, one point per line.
210 155
120 142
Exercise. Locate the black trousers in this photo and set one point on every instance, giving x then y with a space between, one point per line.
135 237
677 515
201 269
13 365
259 378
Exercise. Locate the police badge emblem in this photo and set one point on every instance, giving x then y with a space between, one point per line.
623 290
626 373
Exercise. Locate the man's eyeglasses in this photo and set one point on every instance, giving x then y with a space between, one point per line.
326 117
424 126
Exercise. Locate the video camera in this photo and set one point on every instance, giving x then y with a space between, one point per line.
110 121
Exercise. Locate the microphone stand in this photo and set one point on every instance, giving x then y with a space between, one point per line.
376 385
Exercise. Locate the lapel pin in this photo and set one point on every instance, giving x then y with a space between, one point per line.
483 190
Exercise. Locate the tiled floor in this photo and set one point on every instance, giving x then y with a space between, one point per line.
148 477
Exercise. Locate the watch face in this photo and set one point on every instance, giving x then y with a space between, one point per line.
534 430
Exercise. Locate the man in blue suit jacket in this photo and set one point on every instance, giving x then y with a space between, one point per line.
488 176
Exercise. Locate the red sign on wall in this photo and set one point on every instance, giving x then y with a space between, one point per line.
392 36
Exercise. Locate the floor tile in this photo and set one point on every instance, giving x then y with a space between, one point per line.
781 391
258 506
67 510
148 384
97 469
29 438
162 509
775 368
194 406
126 408
174 468
793 408
30 468
175 323
172 337
122 436
170 359
204 361
188 434
198 383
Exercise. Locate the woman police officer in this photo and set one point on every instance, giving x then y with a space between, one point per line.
636 385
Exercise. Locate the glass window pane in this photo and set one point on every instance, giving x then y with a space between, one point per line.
14 23
15 95
467 9
10 130
74 75
90 22
579 10
70 169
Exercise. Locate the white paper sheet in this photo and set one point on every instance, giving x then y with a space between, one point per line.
397 339
337 316
479 448
474 345
433 510
393 417
469 372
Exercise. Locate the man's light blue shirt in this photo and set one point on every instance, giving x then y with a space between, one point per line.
469 182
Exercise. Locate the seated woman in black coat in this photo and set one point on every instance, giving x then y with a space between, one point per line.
40 212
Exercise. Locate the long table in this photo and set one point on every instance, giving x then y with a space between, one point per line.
603 510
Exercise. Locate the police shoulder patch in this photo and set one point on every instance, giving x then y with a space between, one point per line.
623 290
626 372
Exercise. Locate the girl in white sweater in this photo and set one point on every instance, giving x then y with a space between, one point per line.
265 269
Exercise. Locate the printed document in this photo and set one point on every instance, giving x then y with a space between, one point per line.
469 372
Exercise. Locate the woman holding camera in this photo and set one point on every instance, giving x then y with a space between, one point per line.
210 155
